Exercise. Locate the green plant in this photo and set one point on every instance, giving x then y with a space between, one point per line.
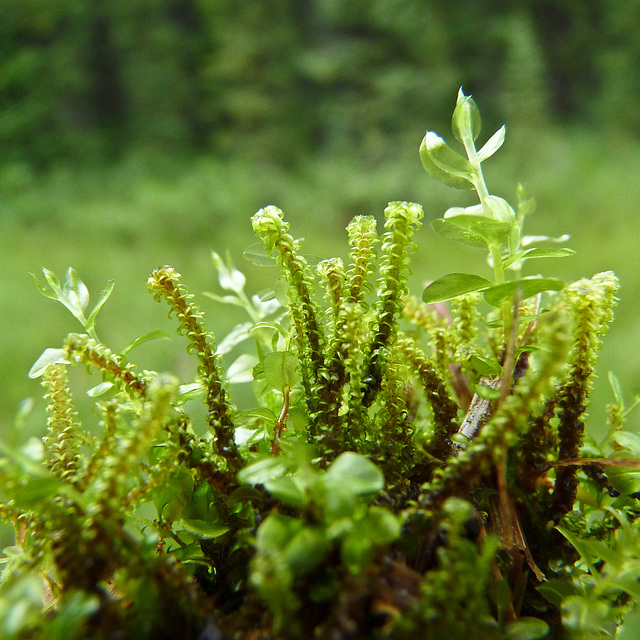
407 468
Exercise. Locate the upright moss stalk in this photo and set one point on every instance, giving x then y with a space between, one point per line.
401 220
268 223
591 304
164 282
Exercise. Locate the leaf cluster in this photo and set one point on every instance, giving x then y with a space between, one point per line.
406 468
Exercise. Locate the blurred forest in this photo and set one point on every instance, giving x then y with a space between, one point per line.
137 133
87 80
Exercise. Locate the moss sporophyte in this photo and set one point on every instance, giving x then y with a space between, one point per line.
407 467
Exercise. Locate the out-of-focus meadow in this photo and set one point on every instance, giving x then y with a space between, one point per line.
134 134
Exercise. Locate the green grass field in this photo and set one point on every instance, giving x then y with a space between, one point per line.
121 222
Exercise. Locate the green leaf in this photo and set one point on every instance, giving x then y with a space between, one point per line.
497 295
501 210
203 529
630 627
241 369
75 290
171 497
104 296
275 532
590 550
616 387
236 336
556 590
46 359
53 282
446 229
486 392
147 337
37 491
378 527
356 472
629 440
381 525
587 617
625 481
444 164
100 389
538 253
265 469
529 240
493 232
466 122
288 489
527 629
306 549
188 392
258 255
492 144
229 278
485 367
281 369
454 285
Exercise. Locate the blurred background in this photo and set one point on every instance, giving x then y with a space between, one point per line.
135 134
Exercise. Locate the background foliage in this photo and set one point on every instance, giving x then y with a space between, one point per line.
279 77
137 134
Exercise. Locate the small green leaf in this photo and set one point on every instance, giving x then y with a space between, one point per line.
591 551
265 469
628 440
485 367
104 296
446 229
100 389
229 277
466 122
486 392
306 549
538 253
288 489
625 481
556 590
236 336
527 287
275 532
526 204
188 392
493 232
378 527
492 144
381 525
46 359
75 290
281 369
36 491
444 164
50 278
587 617
241 369
616 387
356 472
529 240
454 285
147 337
630 627
258 255
204 530
527 629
